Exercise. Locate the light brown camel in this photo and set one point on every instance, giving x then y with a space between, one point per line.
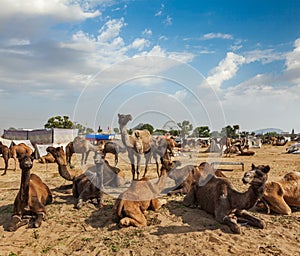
84 147
130 207
136 144
29 204
47 159
280 195
217 196
18 150
63 168
4 150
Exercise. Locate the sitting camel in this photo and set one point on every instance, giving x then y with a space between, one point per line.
217 196
47 159
88 185
142 195
187 176
244 153
280 195
29 205
18 150
4 150
113 148
63 168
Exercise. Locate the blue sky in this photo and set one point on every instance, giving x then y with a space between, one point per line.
214 63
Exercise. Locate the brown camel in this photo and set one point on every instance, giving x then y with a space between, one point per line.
69 152
244 153
18 150
217 196
84 147
4 150
280 195
29 204
136 144
47 159
63 168
130 207
187 176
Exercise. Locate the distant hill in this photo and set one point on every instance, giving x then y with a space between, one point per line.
266 130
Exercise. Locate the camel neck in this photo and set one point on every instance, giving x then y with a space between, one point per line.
125 136
24 187
64 172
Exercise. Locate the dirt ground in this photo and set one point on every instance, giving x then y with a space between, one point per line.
172 230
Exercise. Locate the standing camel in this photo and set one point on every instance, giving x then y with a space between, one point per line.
20 149
84 147
4 150
137 144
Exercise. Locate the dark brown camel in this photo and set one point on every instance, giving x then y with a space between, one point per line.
69 152
4 150
113 148
29 205
217 196
244 153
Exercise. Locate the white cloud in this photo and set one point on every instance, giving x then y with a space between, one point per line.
292 63
216 35
59 9
180 95
226 70
147 32
159 12
264 56
168 21
110 30
140 44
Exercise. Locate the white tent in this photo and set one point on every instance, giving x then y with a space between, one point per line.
40 149
5 142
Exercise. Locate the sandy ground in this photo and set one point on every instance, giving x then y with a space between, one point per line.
172 230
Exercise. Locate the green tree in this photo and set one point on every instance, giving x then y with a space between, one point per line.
82 129
148 127
59 122
160 132
116 130
202 132
185 128
229 131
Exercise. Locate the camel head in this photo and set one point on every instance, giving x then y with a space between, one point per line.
98 158
124 119
258 174
58 153
26 162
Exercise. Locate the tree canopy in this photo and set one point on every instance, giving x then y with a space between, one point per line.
59 122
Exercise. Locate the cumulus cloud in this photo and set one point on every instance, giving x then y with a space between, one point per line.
292 63
140 44
168 21
225 70
147 32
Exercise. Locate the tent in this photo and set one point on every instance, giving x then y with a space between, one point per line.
40 149
5 142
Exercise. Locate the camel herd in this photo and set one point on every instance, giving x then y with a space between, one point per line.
202 185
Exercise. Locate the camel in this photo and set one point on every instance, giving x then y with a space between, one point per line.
217 196
244 153
63 168
113 148
4 150
136 144
187 176
69 152
29 204
84 147
47 159
280 195
17 150
130 207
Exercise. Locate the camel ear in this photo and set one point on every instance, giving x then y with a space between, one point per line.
253 166
119 115
266 169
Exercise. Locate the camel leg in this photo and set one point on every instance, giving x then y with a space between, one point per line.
131 159
277 204
147 156
243 215
138 220
138 162
190 198
17 222
86 156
